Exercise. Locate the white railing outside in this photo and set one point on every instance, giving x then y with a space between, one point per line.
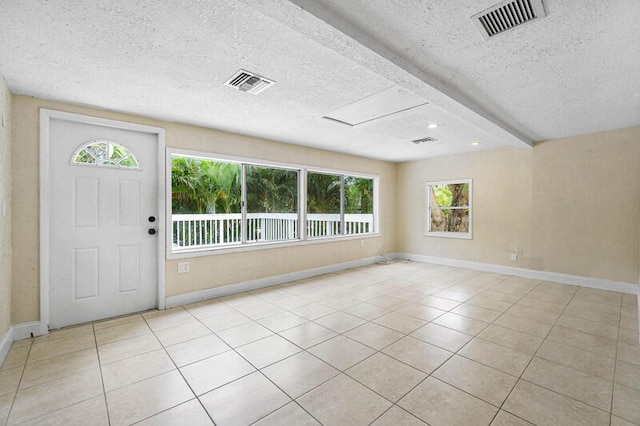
201 230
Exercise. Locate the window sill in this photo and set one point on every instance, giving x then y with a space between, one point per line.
455 235
209 251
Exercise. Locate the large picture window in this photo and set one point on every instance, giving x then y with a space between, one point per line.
220 203
449 208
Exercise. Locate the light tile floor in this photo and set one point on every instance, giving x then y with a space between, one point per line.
399 344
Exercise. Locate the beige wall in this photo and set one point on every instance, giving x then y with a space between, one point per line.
586 194
208 271
502 205
5 197
568 205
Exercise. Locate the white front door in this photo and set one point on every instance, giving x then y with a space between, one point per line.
103 240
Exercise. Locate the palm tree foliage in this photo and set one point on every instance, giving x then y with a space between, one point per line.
207 187
271 190
323 193
358 195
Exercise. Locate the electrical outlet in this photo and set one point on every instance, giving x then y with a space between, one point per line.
183 267
514 257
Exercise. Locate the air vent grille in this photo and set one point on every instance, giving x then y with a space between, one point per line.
507 15
249 82
427 141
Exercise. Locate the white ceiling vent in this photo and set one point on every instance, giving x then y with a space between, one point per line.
507 15
249 82
426 141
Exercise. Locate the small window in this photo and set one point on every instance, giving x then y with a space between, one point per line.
449 209
339 205
105 154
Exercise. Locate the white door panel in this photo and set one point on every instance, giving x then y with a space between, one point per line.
103 261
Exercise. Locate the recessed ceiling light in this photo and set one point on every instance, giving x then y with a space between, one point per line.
475 143
432 126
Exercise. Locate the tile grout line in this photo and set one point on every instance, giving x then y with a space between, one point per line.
52 380
196 397
257 370
544 387
344 371
427 375
15 395
104 391
453 353
513 303
344 292
615 366
500 408
464 345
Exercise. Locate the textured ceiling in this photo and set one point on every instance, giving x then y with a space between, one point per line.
572 72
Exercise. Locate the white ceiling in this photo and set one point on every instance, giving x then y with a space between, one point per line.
574 71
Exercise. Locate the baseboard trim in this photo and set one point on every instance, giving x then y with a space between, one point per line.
19 332
211 293
597 283
5 345
28 329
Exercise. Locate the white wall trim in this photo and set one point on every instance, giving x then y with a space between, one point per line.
211 293
45 193
597 283
27 329
19 332
5 344
638 305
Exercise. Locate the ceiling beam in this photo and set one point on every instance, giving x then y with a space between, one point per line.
315 21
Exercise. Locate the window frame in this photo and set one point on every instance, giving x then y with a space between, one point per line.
458 235
343 201
302 239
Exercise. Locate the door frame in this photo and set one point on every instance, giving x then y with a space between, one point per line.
46 115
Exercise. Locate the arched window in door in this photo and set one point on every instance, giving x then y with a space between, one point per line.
105 154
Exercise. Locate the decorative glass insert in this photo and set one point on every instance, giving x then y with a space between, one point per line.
105 154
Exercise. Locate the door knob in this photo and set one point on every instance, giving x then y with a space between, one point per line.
152 219
152 231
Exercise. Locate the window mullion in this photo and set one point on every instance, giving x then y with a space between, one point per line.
302 204
343 229
243 204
